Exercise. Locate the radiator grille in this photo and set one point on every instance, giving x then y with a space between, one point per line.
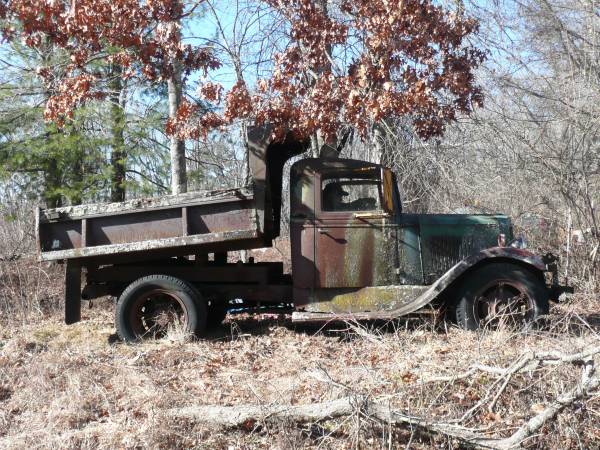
440 252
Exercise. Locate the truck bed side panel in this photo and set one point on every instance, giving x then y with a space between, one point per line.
188 221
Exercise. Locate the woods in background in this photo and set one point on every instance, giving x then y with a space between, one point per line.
400 83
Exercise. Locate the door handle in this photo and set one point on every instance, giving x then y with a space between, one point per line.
377 215
322 230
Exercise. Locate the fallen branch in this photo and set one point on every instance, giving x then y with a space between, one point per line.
516 367
245 415
528 361
238 416
248 415
590 381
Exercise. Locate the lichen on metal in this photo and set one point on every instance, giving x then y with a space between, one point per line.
367 299
144 204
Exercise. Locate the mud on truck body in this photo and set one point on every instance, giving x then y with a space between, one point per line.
355 255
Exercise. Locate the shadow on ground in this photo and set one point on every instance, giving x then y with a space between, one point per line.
243 325
238 326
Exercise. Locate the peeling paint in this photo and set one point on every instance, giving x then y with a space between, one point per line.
136 247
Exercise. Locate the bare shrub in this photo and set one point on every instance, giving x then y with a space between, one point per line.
17 232
28 290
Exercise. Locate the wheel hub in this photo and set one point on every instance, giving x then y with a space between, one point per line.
156 312
502 304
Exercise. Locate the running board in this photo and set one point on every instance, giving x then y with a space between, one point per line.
306 317
385 302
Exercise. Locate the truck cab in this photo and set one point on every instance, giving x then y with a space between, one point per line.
356 252
344 217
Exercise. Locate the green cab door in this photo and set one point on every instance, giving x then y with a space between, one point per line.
355 236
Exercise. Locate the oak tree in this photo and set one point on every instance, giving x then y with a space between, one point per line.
347 63
356 63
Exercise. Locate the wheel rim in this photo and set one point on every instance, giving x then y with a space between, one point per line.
503 304
157 311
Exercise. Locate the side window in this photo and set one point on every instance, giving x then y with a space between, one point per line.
350 194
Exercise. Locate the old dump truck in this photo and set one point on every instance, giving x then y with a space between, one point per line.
354 253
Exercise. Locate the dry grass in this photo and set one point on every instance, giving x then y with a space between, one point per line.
28 290
77 387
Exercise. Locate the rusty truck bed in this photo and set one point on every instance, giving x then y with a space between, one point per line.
162 227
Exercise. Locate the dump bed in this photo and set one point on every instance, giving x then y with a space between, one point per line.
196 222
187 224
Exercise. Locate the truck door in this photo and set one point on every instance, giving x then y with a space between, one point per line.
356 236
302 228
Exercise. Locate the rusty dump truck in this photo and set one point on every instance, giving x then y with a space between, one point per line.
355 255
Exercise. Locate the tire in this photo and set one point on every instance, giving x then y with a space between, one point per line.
150 305
501 294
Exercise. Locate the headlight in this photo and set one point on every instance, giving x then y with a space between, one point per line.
520 242
501 240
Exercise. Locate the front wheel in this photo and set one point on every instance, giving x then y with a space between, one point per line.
153 305
501 295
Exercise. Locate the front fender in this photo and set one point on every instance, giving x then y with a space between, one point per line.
407 305
505 253
441 284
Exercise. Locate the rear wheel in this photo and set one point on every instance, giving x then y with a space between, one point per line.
501 295
152 306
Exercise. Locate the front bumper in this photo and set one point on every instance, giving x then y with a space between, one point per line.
555 289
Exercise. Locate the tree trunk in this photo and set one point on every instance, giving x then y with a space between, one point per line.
52 182
321 140
52 178
118 154
177 147
76 193
379 147
315 145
